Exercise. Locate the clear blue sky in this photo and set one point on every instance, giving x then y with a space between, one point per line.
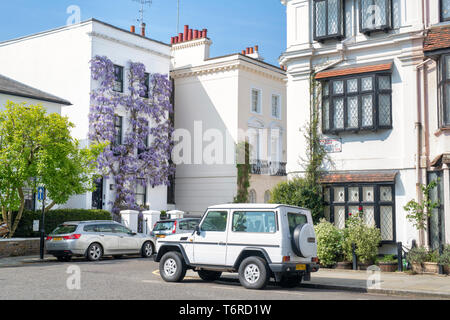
232 25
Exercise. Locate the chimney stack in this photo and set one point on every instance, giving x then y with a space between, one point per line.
256 48
133 29
143 29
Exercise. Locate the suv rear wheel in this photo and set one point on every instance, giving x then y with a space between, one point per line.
172 267
254 273
209 275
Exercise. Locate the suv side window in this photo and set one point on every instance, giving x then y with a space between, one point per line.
215 221
252 221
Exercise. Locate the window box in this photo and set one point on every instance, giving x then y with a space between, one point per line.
328 19
357 102
375 15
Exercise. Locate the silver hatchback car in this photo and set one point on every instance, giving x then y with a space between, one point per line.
95 239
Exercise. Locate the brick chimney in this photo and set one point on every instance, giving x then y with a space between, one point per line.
253 52
190 47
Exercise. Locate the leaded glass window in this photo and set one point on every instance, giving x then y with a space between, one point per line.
444 88
141 193
357 103
373 202
445 10
328 19
375 15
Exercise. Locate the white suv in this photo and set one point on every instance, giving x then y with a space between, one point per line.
259 241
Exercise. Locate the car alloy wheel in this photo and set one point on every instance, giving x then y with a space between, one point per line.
148 250
95 252
170 267
252 273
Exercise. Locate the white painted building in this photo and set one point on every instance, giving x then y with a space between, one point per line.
58 61
368 56
227 99
18 92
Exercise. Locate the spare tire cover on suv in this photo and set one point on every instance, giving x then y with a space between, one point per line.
304 241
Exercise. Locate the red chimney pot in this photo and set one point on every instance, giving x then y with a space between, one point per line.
133 29
195 34
256 48
143 29
190 34
180 37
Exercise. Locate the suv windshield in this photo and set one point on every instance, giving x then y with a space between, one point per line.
64 229
295 219
164 226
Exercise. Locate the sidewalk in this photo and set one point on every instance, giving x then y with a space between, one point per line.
11 262
392 283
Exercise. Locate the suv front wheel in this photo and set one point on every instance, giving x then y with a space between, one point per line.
172 267
254 273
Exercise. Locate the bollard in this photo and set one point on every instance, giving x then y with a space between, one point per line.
355 259
400 256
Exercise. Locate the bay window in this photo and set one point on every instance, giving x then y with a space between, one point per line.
374 202
375 15
355 103
328 19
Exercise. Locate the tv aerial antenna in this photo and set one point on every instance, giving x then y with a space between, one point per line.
143 3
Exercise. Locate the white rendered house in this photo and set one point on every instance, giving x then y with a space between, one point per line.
58 61
368 56
219 102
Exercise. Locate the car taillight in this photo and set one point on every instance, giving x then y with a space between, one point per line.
286 258
174 228
49 238
72 237
315 259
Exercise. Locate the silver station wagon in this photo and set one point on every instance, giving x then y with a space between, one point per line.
95 239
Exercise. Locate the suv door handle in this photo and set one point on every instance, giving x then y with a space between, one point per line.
102 235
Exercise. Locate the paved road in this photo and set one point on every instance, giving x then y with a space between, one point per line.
138 279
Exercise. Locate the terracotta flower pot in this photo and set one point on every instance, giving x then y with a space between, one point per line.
430 267
388 266
447 269
364 266
344 265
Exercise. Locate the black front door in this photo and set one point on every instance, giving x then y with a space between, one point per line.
97 195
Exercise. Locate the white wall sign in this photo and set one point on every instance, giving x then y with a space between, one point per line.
332 145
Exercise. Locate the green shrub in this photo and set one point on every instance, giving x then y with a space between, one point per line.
301 193
389 258
367 240
433 256
54 218
417 255
329 243
444 259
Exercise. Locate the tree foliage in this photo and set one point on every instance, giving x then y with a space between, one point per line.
243 172
36 149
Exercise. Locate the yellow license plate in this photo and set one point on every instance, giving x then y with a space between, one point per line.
57 239
160 236
300 267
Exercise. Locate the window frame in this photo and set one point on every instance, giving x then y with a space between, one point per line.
441 15
341 22
206 216
443 82
389 19
377 203
118 78
146 84
140 194
375 92
259 111
278 116
118 127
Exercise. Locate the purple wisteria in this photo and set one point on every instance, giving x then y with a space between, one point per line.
143 157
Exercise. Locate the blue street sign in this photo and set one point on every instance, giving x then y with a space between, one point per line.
40 193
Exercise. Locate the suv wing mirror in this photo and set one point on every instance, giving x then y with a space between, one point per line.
197 230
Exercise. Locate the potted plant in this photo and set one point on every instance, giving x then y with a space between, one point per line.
388 263
430 265
366 239
444 259
416 257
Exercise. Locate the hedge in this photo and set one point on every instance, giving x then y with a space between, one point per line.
54 218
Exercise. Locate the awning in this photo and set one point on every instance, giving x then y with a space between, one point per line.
360 177
356 69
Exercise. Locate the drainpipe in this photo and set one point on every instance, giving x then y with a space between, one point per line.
418 128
